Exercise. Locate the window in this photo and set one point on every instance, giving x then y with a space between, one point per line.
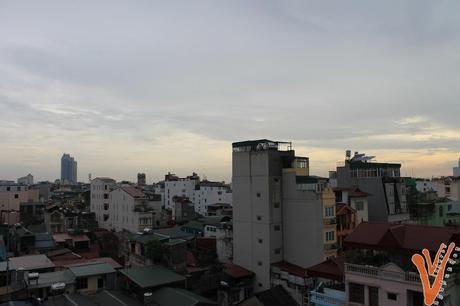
356 292
16 196
329 211
8 188
259 240
105 187
277 228
392 296
359 205
106 206
278 251
106 195
82 283
441 211
259 263
258 194
330 236
259 218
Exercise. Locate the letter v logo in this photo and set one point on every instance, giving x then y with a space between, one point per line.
436 269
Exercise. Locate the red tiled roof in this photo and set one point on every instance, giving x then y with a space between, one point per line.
134 192
393 236
342 208
332 268
291 268
236 271
355 192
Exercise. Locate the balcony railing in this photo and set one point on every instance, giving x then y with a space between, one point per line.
316 298
378 273
331 247
329 221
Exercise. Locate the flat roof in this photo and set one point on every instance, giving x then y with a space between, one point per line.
152 276
178 297
31 262
91 269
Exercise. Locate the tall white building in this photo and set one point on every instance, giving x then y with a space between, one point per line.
209 193
26 180
100 199
200 193
278 210
123 207
179 187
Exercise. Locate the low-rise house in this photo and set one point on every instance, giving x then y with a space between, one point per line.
50 284
236 285
141 281
274 296
60 219
74 242
91 278
103 297
167 296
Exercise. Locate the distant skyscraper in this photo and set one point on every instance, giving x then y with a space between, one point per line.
457 169
68 169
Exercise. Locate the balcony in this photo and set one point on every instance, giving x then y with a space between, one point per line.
374 272
331 247
316 298
329 221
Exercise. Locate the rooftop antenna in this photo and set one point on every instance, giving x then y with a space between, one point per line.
89 177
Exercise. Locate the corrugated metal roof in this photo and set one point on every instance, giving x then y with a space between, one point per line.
152 276
92 269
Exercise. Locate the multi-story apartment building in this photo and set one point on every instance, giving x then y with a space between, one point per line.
281 214
68 169
26 180
387 191
425 185
376 268
100 199
175 186
201 193
210 193
448 187
11 197
123 207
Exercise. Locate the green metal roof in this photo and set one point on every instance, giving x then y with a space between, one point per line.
178 297
174 233
151 276
92 269
196 225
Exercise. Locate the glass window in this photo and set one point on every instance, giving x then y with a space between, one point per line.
392 296
359 205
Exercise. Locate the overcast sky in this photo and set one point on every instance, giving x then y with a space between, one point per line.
157 86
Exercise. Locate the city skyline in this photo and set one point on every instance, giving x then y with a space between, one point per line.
161 87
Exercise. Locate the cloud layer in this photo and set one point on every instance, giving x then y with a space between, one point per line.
167 86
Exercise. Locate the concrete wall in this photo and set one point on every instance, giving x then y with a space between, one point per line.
302 224
256 187
10 200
